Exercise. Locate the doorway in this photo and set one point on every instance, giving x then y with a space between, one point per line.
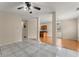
67 34
45 34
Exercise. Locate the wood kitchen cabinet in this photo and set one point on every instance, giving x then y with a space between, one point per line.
44 35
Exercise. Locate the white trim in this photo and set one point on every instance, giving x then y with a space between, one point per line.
10 43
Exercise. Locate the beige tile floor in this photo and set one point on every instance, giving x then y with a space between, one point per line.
29 48
32 48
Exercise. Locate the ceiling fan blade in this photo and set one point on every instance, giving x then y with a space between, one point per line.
38 8
20 7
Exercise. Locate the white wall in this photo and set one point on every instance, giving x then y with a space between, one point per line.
10 28
49 29
32 29
45 18
78 30
70 29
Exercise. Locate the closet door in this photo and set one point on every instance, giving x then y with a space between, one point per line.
25 30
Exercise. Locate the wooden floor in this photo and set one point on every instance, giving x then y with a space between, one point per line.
69 44
47 40
66 43
78 46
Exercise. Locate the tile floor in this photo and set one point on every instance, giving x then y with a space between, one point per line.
31 48
63 52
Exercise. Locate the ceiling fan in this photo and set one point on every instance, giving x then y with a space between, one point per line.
28 5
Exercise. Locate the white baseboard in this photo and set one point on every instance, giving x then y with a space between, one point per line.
32 38
10 43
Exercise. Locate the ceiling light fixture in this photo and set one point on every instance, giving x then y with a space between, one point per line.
28 6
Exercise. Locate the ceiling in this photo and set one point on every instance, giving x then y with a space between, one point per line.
63 9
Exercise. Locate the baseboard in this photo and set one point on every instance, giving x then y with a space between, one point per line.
10 43
32 38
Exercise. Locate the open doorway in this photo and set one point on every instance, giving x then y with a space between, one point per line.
67 33
46 29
